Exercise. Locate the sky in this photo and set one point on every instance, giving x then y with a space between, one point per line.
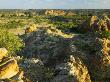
54 4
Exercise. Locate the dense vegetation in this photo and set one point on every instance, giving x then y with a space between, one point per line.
11 25
68 24
11 42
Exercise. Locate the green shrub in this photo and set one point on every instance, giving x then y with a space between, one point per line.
68 24
11 42
103 34
48 73
11 25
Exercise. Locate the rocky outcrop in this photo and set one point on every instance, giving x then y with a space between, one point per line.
55 12
30 28
59 13
96 23
8 66
72 71
101 60
94 52
3 53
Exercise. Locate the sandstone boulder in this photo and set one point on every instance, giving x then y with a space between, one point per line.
8 68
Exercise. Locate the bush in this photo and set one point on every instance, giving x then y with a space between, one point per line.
11 25
68 24
103 34
11 42
48 73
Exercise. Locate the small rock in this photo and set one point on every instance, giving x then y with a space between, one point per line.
3 53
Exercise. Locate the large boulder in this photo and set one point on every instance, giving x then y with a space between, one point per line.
8 68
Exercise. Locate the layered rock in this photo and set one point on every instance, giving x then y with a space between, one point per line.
8 66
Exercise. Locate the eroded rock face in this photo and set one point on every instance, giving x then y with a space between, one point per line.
72 71
78 70
101 60
96 23
94 52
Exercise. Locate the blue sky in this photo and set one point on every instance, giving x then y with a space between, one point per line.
54 4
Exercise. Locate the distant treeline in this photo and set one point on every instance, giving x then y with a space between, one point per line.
42 11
